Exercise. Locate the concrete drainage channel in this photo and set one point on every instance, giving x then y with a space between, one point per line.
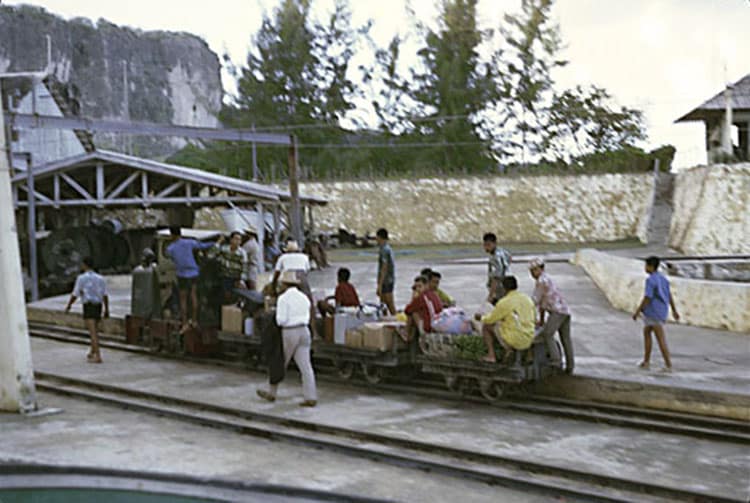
541 478
23 482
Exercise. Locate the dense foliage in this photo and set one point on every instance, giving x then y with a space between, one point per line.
460 109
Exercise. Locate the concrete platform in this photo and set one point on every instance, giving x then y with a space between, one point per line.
714 467
93 435
608 343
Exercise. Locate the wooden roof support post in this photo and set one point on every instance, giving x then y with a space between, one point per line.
17 390
295 220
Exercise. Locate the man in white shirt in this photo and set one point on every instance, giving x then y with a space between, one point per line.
293 316
295 261
92 290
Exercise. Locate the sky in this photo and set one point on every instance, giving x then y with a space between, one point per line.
662 56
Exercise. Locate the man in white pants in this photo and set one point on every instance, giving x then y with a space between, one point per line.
293 316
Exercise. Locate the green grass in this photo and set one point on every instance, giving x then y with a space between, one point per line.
468 251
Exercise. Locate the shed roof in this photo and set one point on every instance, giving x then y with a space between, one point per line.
716 105
165 183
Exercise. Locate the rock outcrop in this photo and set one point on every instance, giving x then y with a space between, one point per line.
172 77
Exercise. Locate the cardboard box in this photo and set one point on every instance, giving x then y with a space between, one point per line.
353 338
380 335
343 322
231 319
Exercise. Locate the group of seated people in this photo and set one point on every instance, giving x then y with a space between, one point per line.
511 321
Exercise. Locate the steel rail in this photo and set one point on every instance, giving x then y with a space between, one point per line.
450 461
696 426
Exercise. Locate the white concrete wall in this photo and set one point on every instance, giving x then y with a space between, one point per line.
539 209
714 304
712 210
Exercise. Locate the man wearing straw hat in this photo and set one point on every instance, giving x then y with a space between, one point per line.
293 316
297 262
549 301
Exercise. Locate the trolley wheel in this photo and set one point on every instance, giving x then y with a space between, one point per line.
345 370
373 374
251 359
456 384
563 361
490 390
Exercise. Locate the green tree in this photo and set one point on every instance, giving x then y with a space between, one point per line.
440 101
523 73
295 80
584 120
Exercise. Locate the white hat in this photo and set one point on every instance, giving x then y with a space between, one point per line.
289 277
292 246
536 262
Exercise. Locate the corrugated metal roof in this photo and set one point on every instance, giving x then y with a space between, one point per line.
171 170
711 107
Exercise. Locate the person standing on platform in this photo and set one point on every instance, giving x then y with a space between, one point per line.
497 268
655 308
386 271
293 316
252 247
550 302
91 288
292 260
181 251
234 264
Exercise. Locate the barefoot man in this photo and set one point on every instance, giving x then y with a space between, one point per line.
511 321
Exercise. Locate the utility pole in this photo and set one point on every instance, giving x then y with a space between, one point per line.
726 130
49 53
17 389
295 222
128 146
31 231
255 161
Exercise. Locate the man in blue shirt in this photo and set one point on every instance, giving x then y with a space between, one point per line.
655 309
386 271
181 251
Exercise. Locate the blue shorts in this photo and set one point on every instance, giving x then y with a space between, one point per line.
652 322
387 288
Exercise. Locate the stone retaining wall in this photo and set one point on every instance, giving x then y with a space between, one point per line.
714 304
531 209
711 213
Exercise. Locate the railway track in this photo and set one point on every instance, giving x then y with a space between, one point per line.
548 480
690 425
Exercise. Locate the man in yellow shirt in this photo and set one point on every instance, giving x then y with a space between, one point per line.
511 321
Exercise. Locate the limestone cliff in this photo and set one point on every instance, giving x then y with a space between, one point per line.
172 77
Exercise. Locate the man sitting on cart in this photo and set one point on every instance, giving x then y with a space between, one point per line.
512 321
344 296
424 306
433 283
